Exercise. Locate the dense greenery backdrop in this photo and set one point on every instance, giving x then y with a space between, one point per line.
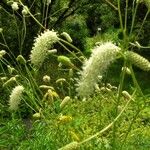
54 116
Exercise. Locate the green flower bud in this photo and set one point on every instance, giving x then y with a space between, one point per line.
65 101
60 80
46 87
52 51
67 36
64 60
21 59
126 95
37 115
138 60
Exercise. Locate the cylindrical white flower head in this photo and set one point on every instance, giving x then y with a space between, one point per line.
42 44
102 56
15 97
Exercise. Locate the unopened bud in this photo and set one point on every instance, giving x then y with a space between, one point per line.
46 87
67 36
64 60
126 95
65 101
52 51
138 60
21 59
37 115
61 80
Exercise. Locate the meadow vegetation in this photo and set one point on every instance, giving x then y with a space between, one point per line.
74 75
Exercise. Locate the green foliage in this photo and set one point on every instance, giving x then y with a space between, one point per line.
76 27
109 35
108 17
111 117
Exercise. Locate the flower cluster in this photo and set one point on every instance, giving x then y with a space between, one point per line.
102 56
138 60
15 97
42 44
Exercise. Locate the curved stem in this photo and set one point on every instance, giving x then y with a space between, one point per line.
23 34
107 127
72 46
120 88
133 18
69 51
143 23
136 83
32 16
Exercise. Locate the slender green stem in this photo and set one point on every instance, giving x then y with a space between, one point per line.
107 127
18 31
2 69
138 111
33 16
111 4
43 12
23 34
122 76
120 15
29 105
33 82
120 88
46 15
3 45
126 15
135 82
69 51
72 46
143 23
133 17
130 127
6 11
